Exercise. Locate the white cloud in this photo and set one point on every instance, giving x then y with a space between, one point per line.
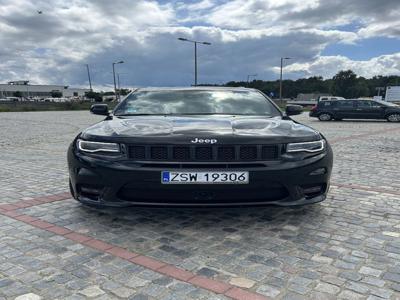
247 36
328 66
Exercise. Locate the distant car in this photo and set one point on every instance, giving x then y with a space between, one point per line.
14 99
355 109
328 98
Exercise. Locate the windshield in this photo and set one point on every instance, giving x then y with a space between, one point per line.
386 103
182 102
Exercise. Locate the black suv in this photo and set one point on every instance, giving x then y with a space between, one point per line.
355 109
202 146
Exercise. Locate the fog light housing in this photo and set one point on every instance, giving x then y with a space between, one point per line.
91 191
313 189
319 171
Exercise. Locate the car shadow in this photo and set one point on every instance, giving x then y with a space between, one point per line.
204 217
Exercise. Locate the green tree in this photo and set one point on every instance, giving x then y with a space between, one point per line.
17 94
56 94
93 95
344 83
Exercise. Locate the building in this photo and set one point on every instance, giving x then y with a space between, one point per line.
310 96
38 91
392 93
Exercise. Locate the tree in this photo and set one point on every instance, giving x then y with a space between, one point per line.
56 94
348 85
93 95
344 83
17 94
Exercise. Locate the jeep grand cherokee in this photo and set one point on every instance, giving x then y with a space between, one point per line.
198 146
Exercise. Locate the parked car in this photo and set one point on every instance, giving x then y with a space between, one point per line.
355 109
202 146
328 98
13 99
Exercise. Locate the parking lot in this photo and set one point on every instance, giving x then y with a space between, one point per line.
52 247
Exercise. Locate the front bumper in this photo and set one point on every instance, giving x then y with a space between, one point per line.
127 183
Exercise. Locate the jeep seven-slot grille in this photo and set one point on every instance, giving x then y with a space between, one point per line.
204 153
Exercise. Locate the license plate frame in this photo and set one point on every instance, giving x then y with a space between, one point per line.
200 177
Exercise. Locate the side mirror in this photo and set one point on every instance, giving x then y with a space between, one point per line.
292 110
99 109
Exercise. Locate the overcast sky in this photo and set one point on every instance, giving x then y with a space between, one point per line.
247 36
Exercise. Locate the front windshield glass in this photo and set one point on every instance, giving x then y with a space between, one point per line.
184 102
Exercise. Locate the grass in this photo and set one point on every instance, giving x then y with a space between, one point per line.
47 106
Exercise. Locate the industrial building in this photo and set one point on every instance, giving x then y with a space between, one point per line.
27 90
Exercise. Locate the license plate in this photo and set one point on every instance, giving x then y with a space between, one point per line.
168 177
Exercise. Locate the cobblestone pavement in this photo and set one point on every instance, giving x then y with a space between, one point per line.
347 247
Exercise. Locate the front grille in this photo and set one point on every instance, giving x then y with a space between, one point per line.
159 153
193 153
248 153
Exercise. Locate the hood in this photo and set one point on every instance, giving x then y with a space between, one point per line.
183 128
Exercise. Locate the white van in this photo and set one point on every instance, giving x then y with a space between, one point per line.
328 98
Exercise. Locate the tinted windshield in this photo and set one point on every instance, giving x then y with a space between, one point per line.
196 102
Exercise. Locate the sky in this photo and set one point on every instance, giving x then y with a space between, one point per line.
322 37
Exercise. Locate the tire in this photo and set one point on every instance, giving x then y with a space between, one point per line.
394 117
325 117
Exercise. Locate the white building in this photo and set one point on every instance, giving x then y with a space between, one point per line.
392 93
38 91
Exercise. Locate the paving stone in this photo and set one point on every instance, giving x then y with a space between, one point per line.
92 291
370 271
29 296
242 282
327 288
346 247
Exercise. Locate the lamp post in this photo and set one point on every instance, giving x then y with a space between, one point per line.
115 84
195 55
280 81
248 78
118 81
88 74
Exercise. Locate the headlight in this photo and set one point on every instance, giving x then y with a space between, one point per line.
306 146
93 147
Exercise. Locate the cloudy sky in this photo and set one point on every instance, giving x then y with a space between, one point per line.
247 36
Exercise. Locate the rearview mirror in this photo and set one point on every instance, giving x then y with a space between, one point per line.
292 110
99 109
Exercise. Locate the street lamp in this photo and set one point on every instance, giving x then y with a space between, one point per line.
118 82
88 74
115 84
248 78
195 55
280 81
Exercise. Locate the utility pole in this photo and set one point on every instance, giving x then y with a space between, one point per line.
280 80
88 74
115 84
195 55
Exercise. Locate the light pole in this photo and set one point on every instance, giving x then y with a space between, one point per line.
88 74
195 55
248 78
280 81
115 84
118 82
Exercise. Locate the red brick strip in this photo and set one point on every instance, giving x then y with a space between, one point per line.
166 269
362 135
34 202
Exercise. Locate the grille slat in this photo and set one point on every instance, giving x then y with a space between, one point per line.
188 153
